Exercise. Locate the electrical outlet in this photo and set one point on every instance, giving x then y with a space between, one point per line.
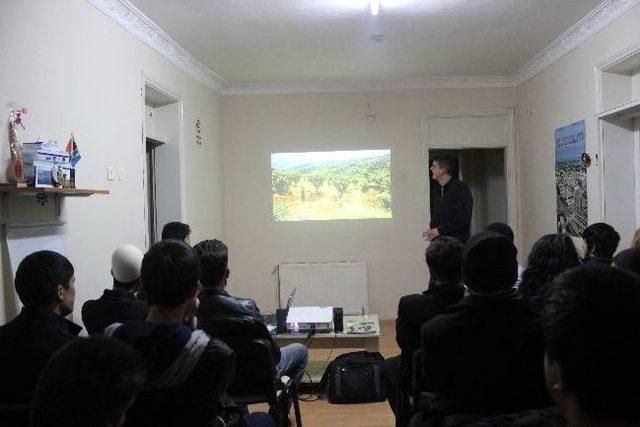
111 173
120 174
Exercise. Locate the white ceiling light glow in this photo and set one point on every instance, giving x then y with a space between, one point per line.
375 7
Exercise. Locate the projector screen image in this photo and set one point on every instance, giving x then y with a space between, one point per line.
331 185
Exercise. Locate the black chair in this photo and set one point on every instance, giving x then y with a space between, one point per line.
255 378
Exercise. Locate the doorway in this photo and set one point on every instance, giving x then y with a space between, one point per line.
482 169
483 143
163 177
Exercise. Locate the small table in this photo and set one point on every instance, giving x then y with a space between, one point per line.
327 345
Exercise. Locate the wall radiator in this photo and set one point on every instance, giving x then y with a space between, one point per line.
336 284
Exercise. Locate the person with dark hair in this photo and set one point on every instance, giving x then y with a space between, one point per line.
600 242
188 370
454 203
591 325
119 304
100 375
215 302
506 231
45 283
635 243
444 261
629 260
483 354
177 230
551 255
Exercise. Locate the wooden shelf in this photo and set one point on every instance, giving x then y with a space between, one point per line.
72 192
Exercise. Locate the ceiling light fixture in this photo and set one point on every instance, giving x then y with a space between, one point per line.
374 5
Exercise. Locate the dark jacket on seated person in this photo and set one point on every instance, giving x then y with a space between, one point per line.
26 344
188 372
485 355
115 305
413 311
217 304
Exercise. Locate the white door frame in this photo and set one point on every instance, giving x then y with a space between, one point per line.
149 81
510 160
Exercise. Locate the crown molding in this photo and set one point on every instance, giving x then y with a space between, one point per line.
603 15
385 84
138 24
147 31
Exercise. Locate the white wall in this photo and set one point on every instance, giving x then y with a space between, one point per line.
255 126
564 93
77 70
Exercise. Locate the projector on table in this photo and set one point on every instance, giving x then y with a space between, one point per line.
305 319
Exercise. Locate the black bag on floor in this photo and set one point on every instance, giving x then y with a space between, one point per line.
356 377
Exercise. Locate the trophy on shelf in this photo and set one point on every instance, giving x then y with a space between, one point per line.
15 170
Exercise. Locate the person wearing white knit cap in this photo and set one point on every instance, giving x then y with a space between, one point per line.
118 304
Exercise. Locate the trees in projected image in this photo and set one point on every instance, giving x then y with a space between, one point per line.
356 187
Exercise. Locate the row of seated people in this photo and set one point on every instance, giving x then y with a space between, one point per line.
500 350
178 374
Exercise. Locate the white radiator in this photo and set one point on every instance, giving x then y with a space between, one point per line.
336 284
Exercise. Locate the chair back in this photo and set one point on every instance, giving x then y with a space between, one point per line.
255 375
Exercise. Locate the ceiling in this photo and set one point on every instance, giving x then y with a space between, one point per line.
286 41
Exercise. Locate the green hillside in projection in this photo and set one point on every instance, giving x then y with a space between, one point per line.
357 186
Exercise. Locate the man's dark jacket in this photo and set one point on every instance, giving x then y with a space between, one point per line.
114 306
196 401
216 304
485 354
26 344
413 311
452 214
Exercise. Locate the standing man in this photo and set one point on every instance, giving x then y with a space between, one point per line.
454 203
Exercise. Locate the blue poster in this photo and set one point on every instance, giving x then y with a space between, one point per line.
571 179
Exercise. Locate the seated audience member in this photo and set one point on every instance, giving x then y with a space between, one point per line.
600 242
215 301
506 231
444 260
45 284
178 231
591 325
188 370
483 354
119 304
100 375
551 255
629 260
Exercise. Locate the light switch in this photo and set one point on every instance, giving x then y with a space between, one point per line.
120 174
111 173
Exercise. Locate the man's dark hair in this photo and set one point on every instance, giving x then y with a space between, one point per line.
592 330
175 230
126 286
214 258
489 262
602 239
169 273
444 259
38 277
551 255
88 382
446 162
502 228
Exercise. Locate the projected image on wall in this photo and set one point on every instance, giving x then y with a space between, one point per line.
331 185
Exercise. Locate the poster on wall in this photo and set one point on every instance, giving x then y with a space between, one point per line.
571 179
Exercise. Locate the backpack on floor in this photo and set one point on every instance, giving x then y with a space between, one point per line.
356 377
